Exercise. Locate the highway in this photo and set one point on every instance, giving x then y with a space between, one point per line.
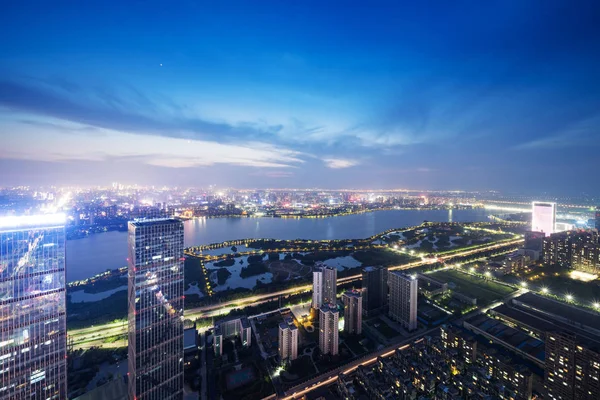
95 335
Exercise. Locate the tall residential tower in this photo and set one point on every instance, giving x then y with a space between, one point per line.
403 299
324 286
155 309
375 289
352 312
33 340
328 329
288 341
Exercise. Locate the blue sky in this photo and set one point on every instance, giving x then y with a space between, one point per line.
436 95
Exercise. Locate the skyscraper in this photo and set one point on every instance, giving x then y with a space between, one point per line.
324 286
597 217
33 340
375 289
328 329
403 299
352 312
155 309
543 217
288 341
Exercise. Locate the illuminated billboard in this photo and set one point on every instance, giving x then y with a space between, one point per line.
543 217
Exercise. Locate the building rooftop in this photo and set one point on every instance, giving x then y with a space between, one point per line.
329 308
509 335
544 323
189 338
32 221
244 322
154 221
231 318
570 313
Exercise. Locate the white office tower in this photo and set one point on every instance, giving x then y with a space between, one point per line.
543 217
33 331
403 299
328 329
324 286
288 341
352 312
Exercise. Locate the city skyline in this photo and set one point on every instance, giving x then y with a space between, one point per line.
495 96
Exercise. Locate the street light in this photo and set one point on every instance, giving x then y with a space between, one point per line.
524 284
488 274
545 290
569 297
596 305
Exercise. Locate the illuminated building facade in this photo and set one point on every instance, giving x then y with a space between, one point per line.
543 217
568 249
155 309
33 341
572 369
328 329
403 299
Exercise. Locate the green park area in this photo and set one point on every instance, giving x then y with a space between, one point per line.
484 290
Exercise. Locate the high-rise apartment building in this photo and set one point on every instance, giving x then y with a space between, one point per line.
572 369
586 258
403 299
288 341
543 217
155 309
328 329
375 289
33 332
560 248
352 312
597 218
324 286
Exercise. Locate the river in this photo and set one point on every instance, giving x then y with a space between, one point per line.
97 253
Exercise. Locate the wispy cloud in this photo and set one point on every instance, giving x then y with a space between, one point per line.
162 151
339 163
582 133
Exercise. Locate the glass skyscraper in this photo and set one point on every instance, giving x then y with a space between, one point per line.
155 309
33 341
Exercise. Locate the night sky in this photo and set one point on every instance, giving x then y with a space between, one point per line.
428 95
